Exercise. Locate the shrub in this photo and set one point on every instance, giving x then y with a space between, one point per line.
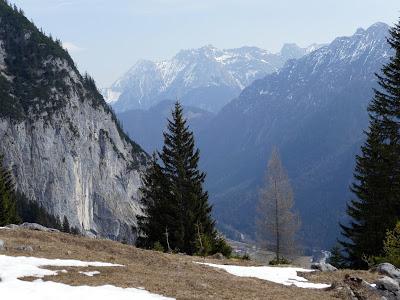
158 247
221 246
337 260
280 261
245 256
203 245
391 248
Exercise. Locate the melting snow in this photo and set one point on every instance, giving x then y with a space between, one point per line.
282 275
90 274
12 268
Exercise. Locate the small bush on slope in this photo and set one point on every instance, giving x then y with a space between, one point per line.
391 248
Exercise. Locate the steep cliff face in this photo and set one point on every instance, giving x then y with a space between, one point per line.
58 135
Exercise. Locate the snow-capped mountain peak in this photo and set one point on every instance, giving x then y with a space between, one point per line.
205 77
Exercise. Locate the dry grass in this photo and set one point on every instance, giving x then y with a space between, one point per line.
170 275
340 275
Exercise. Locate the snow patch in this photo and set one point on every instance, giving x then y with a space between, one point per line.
110 95
281 275
90 274
12 268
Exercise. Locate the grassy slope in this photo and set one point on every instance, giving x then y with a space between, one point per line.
170 275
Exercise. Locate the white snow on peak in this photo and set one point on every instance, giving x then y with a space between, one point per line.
148 82
12 268
110 96
281 275
313 47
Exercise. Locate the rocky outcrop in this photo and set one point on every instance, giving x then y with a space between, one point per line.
32 226
387 270
323 267
60 138
320 260
388 286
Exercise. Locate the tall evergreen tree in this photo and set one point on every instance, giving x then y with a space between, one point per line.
177 213
376 207
180 166
8 210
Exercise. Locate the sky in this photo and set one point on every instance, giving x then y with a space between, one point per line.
106 38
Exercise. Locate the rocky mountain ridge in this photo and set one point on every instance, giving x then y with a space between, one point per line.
314 111
206 78
61 140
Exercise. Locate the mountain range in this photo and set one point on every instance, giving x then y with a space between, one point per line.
313 109
69 153
205 78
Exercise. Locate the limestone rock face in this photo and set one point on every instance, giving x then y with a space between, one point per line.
59 137
82 171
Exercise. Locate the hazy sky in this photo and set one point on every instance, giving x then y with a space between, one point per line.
106 37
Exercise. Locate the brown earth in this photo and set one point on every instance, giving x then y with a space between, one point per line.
170 275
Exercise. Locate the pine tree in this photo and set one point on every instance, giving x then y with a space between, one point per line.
376 207
8 209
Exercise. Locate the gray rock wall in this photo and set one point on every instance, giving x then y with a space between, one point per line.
75 163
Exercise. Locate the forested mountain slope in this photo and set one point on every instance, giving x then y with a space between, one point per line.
314 111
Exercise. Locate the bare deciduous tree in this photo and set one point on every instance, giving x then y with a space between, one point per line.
277 223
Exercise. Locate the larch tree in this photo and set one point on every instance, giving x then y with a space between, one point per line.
277 223
376 188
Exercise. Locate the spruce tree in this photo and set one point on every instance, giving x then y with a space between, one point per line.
177 214
8 209
180 166
376 207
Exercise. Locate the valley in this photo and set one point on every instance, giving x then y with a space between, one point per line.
202 172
